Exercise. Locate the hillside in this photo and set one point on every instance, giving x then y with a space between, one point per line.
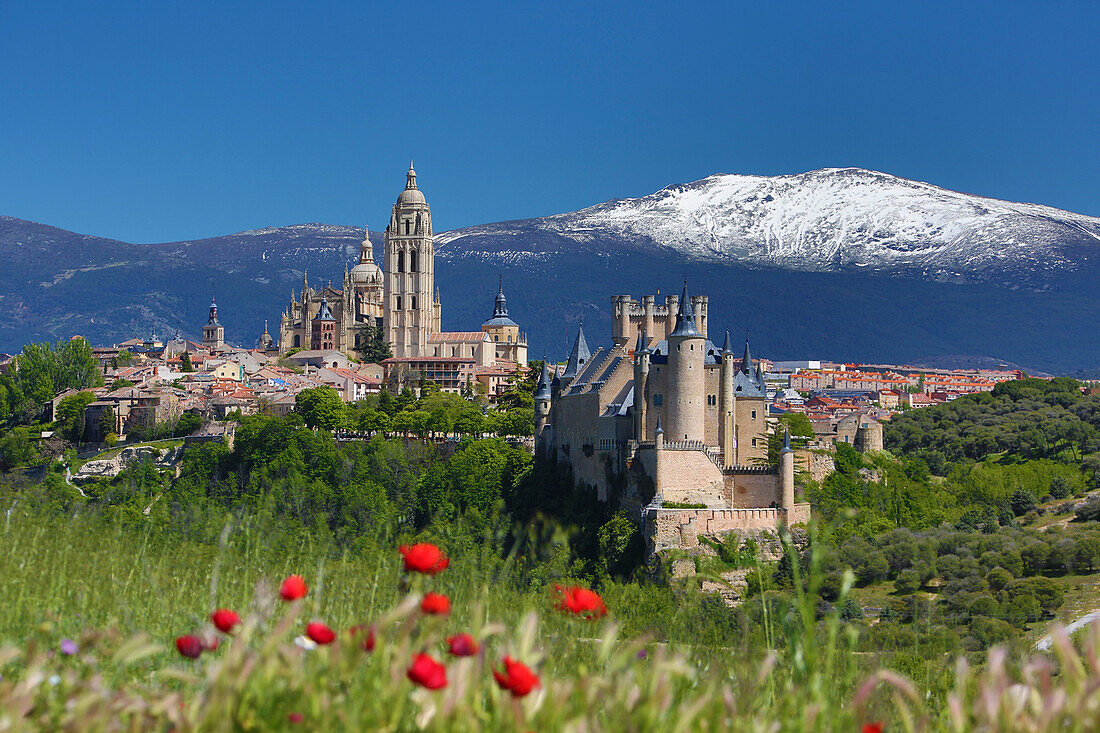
839 263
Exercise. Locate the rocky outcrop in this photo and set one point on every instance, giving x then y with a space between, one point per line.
111 467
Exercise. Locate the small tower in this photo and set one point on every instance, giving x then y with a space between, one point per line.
641 381
685 408
543 399
786 475
323 328
727 438
509 343
213 335
746 360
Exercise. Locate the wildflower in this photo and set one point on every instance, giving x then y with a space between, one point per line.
189 646
320 633
436 604
642 654
68 647
224 620
427 672
54 680
304 642
462 645
424 558
872 728
295 718
293 588
517 677
369 639
580 601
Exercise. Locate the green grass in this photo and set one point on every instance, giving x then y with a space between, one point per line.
124 593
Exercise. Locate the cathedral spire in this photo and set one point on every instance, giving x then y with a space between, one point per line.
500 307
410 177
366 250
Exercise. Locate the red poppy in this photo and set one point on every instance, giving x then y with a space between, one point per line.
369 639
462 645
295 718
436 604
424 558
516 677
427 672
189 646
224 620
580 601
320 633
872 728
293 588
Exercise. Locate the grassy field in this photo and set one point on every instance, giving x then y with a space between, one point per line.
124 594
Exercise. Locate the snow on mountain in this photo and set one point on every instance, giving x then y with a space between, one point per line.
822 221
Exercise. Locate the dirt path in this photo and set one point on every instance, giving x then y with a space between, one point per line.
1045 643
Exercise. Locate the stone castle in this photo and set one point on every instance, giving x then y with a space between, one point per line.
671 421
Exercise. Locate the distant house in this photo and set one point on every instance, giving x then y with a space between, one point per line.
319 358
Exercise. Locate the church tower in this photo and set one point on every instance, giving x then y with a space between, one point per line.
411 313
213 335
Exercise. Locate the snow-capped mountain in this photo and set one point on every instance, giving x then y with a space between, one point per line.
823 221
832 264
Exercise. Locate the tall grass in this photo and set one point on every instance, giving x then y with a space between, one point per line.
125 593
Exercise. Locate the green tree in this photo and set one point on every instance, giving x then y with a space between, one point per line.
185 363
107 420
373 346
320 407
69 420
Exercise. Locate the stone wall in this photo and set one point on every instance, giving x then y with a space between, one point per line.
689 476
751 490
681 528
816 462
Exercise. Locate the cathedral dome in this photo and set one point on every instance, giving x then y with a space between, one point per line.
366 273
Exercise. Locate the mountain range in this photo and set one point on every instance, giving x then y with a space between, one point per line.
835 263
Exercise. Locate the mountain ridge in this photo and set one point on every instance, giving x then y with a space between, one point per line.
838 264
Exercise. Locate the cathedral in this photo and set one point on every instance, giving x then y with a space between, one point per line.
401 300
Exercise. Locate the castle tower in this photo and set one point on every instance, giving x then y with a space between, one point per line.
786 475
543 397
411 312
641 380
685 408
726 437
578 357
213 335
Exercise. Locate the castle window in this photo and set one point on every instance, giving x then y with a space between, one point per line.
400 262
412 262
712 399
754 442
658 400
754 414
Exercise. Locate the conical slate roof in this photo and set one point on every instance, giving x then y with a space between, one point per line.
746 360
578 357
642 347
685 318
727 347
542 391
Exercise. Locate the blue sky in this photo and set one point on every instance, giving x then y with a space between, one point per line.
162 121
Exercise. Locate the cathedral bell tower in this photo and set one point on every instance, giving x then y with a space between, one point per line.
411 313
213 334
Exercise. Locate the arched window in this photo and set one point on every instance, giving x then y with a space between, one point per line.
400 262
297 341
412 262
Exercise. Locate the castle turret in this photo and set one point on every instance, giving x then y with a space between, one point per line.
726 436
543 401
685 409
641 380
786 474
